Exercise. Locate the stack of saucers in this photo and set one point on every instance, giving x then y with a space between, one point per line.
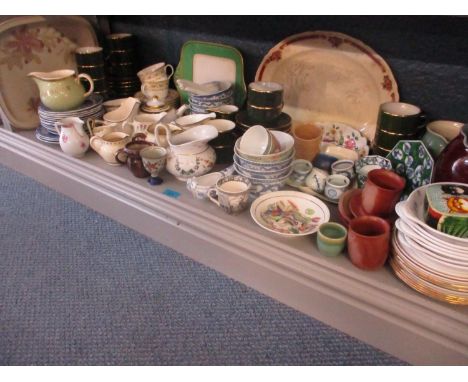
223 95
43 135
428 260
91 108
267 172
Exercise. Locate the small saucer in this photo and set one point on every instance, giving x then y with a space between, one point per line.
282 123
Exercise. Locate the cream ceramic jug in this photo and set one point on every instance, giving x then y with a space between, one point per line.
189 153
73 139
61 90
108 145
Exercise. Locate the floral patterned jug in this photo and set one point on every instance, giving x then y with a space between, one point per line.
189 153
73 139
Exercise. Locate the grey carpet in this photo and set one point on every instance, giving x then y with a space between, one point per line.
77 288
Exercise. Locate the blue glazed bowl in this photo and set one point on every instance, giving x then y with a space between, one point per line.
265 167
324 162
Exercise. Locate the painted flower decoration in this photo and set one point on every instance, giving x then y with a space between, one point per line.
387 83
398 154
409 160
421 151
410 173
25 42
400 169
406 148
350 144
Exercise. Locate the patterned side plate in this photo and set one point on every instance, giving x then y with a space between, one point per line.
289 213
411 160
343 135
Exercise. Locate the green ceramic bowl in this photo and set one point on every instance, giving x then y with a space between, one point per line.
331 239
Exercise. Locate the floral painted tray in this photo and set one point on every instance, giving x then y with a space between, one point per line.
36 43
329 76
202 62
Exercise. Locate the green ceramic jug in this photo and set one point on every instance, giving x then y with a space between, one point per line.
62 90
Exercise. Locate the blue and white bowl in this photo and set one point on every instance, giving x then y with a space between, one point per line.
268 166
262 174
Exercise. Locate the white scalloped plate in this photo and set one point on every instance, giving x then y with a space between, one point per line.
329 76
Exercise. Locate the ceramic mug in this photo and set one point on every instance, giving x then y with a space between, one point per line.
132 158
300 169
265 94
344 167
381 192
397 121
368 242
157 89
439 134
335 185
316 180
307 139
331 238
156 72
231 193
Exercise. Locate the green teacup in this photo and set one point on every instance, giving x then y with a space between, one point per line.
331 239
398 121
439 134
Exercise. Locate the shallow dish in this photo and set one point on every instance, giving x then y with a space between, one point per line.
342 135
289 213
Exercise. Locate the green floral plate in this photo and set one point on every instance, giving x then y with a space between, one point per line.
411 160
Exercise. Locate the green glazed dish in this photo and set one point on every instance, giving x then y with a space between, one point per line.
221 59
331 239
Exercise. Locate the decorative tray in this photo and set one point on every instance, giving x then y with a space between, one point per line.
36 43
330 77
202 62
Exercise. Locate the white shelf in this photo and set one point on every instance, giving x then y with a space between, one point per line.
375 307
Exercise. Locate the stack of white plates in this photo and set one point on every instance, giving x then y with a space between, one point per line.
91 108
431 262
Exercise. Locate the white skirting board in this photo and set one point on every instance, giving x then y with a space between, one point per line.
375 307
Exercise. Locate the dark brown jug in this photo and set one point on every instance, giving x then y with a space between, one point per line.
131 153
452 164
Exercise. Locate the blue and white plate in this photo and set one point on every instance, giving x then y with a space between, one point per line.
43 135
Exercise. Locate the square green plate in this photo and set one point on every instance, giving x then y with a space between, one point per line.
204 62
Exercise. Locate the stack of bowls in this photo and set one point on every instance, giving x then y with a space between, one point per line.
223 96
90 60
267 172
264 106
121 66
428 260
